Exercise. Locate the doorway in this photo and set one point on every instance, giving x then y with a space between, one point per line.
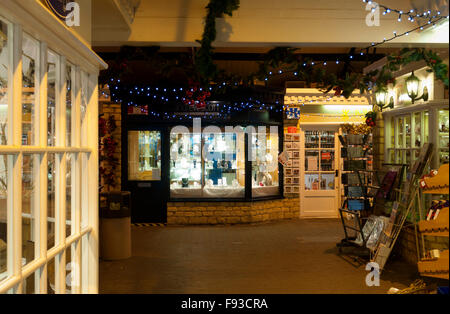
319 171
144 176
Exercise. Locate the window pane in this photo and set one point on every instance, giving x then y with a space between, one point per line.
312 139
444 136
28 207
3 218
312 181
327 160
418 129
327 181
4 79
52 70
70 159
29 284
392 143
144 156
84 93
408 131
224 165
30 59
311 160
265 167
51 202
69 97
327 139
186 165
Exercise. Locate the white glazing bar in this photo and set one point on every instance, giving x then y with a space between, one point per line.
41 214
93 168
60 193
14 206
76 188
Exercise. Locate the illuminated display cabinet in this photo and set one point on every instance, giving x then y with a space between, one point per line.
420 115
221 159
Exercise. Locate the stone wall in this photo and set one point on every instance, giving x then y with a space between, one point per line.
406 244
213 213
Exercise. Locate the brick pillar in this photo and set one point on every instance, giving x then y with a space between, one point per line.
109 108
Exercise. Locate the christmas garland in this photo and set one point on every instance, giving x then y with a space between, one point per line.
204 64
108 146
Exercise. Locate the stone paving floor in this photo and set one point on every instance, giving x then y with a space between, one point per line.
289 257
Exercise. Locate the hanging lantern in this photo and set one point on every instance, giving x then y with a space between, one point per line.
380 97
412 87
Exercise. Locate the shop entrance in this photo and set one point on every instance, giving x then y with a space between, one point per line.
319 171
144 175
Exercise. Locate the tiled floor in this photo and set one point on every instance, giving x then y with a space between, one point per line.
290 257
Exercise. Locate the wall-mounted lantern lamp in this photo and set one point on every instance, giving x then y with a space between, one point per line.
412 87
381 97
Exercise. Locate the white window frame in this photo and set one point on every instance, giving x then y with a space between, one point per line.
83 241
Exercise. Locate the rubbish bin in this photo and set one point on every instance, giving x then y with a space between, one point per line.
115 225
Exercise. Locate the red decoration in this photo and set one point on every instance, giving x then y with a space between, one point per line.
338 91
196 96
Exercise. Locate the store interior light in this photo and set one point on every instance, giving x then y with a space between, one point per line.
412 87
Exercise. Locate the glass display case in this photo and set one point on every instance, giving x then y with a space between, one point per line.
212 165
407 134
264 157
219 174
144 156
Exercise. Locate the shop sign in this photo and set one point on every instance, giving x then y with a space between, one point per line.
293 113
326 156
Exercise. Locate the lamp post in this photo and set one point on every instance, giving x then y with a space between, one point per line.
412 87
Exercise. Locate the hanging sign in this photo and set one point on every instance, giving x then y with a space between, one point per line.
293 113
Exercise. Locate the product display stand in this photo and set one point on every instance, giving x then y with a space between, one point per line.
436 263
292 169
357 180
408 202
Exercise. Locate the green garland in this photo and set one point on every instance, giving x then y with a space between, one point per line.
280 58
204 64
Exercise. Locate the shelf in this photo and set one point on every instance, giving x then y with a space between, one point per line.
444 190
437 227
435 268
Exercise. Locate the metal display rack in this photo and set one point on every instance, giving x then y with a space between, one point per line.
357 180
292 169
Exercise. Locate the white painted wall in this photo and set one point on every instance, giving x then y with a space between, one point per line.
264 23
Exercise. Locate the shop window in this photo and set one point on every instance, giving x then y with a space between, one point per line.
264 151
4 80
320 163
219 174
443 136
144 156
69 79
224 165
3 215
52 83
30 59
51 200
29 208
